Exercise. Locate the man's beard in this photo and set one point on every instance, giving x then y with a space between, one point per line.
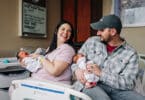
103 40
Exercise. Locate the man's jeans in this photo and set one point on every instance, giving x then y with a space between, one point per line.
104 92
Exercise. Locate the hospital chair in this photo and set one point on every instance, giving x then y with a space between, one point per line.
140 81
32 89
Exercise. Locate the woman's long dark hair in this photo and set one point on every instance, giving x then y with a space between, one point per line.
53 44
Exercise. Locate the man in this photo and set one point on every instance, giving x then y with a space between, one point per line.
116 63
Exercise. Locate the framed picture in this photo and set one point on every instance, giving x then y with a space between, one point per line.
33 18
130 12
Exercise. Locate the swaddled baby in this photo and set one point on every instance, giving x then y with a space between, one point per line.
91 78
28 62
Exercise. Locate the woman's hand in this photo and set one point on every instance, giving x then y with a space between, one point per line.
80 76
22 64
34 55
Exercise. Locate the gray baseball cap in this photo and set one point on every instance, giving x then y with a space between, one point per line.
109 21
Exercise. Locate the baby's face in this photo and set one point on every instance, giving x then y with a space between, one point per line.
76 57
23 54
80 55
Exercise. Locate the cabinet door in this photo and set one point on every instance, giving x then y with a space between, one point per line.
68 11
83 20
81 13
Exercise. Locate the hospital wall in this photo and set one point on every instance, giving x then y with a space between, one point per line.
134 35
10 42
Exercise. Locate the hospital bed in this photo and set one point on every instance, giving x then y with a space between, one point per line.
32 89
10 70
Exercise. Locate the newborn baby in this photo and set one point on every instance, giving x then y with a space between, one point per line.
91 78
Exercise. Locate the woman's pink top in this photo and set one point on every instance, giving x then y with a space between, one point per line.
63 53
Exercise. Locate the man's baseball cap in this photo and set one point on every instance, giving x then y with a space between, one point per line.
109 21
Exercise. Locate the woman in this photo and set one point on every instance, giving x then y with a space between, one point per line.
56 63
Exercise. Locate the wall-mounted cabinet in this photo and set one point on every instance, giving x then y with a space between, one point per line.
81 13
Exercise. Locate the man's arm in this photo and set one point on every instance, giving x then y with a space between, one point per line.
123 80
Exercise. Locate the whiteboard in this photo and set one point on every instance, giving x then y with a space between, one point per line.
32 18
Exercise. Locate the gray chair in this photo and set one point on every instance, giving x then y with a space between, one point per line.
140 81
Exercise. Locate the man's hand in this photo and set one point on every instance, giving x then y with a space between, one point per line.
94 69
80 75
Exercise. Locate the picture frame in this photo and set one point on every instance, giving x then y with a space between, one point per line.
130 12
33 18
